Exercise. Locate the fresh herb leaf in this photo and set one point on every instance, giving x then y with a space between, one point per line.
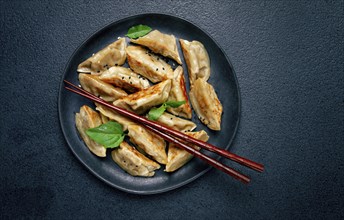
110 134
138 31
174 104
155 113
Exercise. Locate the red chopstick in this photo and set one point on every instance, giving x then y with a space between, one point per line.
162 130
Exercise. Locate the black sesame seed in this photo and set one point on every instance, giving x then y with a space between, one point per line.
157 69
129 77
122 77
116 64
163 68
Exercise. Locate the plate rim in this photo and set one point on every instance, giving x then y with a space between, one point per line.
61 87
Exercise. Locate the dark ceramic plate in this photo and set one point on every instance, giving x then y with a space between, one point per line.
222 78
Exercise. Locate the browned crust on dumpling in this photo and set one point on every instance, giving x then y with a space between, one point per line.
143 62
94 85
176 123
143 100
113 115
132 161
178 93
112 55
152 144
206 104
85 119
177 157
124 78
160 43
197 60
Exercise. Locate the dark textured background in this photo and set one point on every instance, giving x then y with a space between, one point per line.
288 56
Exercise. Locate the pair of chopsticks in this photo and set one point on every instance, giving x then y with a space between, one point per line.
180 139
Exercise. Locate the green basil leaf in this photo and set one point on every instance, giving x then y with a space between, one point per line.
110 127
155 113
109 135
174 104
117 142
138 31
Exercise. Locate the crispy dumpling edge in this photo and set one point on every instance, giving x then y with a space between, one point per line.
216 108
149 165
100 151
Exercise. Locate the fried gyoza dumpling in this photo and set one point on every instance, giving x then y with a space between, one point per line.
160 43
124 78
178 93
148 65
197 60
112 55
145 99
176 123
94 85
132 161
85 119
177 157
113 115
150 143
206 104
103 118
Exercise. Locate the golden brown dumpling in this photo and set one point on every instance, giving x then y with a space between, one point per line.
176 123
113 115
124 78
160 43
132 161
103 118
85 119
94 85
206 104
150 143
148 65
143 100
178 93
197 60
112 55
177 157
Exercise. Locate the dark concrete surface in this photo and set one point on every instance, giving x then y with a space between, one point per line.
288 57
